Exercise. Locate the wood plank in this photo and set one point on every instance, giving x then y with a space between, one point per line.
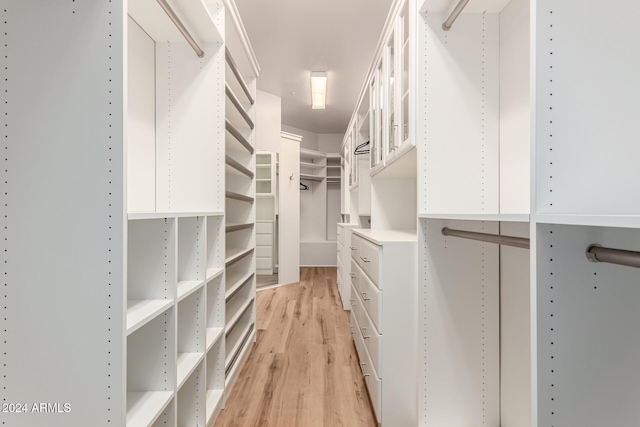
303 370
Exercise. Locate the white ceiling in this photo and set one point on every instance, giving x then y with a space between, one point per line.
291 38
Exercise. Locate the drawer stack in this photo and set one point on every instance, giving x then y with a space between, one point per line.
343 276
383 267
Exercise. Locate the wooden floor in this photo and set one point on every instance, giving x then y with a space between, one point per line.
303 370
266 280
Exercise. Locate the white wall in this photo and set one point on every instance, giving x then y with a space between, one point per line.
268 120
289 239
330 142
309 139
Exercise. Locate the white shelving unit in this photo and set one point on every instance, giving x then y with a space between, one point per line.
267 205
135 280
506 140
243 181
319 207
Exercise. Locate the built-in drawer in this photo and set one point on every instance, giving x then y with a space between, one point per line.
370 256
371 300
264 251
341 232
264 227
368 370
372 338
264 240
373 382
374 385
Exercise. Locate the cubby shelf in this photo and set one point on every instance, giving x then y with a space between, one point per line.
213 335
187 287
144 408
311 165
187 363
141 312
214 400
212 273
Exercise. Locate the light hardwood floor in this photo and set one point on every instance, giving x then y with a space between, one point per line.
303 370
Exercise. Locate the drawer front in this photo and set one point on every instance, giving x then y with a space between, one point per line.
264 240
355 247
264 251
264 228
368 370
372 339
374 385
370 256
353 274
372 300
341 235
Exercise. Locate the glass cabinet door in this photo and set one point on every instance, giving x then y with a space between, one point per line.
393 139
380 117
403 37
373 115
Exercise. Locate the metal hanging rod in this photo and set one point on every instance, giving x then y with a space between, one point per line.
596 253
454 15
518 242
178 23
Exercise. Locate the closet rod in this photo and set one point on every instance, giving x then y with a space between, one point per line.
183 30
518 242
597 253
454 15
236 72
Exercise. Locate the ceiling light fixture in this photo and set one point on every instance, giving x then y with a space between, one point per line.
318 90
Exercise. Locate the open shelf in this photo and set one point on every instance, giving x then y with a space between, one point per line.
136 216
187 363
236 341
143 408
237 227
237 281
141 312
308 177
238 136
624 221
235 254
235 70
311 165
236 308
238 106
479 217
150 16
238 167
237 196
213 335
305 153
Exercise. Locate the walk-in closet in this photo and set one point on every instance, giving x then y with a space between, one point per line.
400 213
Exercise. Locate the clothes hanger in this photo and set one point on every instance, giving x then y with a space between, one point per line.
303 186
359 149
